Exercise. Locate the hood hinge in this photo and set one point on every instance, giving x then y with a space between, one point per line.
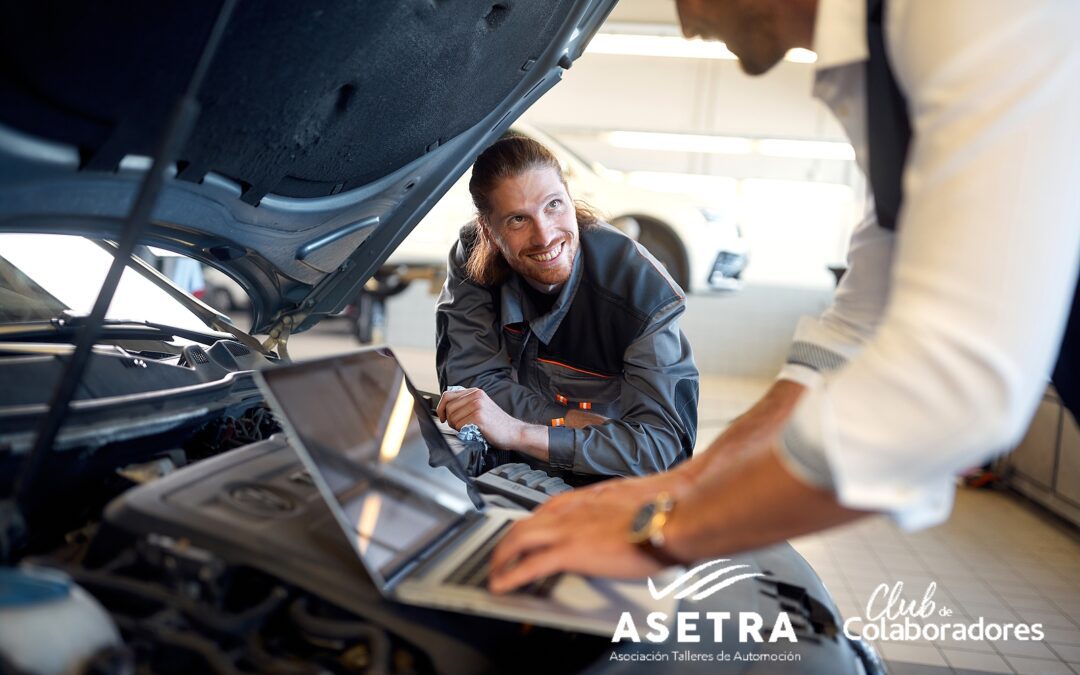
278 335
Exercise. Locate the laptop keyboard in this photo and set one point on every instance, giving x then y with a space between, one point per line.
476 570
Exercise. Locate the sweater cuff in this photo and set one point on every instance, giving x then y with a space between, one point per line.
561 448
807 377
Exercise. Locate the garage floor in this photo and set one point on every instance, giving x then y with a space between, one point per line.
998 556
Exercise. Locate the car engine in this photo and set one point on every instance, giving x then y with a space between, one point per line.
234 564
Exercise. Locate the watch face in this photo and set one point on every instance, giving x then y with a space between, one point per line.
643 517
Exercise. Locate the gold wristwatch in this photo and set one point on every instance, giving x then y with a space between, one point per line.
648 525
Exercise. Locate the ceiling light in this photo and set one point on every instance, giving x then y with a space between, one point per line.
777 147
715 186
729 145
628 44
648 140
657 45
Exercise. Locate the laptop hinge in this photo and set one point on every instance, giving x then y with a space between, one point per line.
420 563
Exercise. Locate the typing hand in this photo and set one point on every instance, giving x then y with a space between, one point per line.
593 542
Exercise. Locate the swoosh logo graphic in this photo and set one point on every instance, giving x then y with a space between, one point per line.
695 589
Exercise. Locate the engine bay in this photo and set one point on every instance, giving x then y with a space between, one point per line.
235 565
176 504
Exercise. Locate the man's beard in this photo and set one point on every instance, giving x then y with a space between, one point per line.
548 276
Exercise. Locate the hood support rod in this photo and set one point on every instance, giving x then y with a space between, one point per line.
180 124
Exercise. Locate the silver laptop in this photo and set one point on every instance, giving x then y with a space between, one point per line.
405 504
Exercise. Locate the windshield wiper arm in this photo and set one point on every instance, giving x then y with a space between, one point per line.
214 319
74 322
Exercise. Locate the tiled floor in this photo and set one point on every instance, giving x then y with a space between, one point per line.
723 399
997 557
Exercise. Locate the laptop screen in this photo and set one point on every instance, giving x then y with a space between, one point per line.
377 456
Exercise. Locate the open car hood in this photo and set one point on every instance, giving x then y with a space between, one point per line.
328 129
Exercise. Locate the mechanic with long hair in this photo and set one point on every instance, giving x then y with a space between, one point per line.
562 330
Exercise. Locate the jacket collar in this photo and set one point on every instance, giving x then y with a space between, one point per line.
516 307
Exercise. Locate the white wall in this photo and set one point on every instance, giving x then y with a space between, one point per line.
603 92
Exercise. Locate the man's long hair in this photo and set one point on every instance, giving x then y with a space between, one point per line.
510 156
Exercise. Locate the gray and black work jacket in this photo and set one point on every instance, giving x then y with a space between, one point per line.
610 344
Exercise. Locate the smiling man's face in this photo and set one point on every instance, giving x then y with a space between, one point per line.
533 223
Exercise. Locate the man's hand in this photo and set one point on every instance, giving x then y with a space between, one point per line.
592 541
563 533
473 406
752 501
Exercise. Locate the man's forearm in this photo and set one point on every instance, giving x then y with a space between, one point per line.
740 468
753 430
532 441
754 502
533 438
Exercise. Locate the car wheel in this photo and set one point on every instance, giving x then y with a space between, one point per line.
666 248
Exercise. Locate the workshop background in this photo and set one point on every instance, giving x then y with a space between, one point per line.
667 114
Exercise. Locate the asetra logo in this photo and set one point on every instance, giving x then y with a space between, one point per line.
694 589
693 586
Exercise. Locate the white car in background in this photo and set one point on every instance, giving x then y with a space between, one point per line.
701 246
